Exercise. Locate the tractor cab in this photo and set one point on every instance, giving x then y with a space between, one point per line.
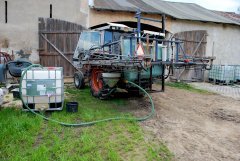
116 40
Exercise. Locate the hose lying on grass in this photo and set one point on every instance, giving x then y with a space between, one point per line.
91 122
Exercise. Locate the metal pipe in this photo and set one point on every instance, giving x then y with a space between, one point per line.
163 23
111 43
144 38
151 80
131 54
138 16
156 50
184 54
177 52
149 19
163 78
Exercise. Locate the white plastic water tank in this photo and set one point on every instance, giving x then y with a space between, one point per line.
212 72
222 73
237 73
227 73
43 88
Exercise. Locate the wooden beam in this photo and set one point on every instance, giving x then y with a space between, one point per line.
195 51
190 40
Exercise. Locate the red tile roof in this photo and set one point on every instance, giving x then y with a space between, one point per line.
231 15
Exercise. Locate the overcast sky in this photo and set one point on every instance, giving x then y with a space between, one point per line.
219 5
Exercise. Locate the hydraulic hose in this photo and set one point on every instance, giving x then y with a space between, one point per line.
91 122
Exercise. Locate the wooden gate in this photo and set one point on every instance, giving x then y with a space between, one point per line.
194 42
194 45
62 35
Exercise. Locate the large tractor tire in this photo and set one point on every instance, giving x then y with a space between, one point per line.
79 80
96 82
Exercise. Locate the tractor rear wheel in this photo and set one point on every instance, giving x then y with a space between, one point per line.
96 82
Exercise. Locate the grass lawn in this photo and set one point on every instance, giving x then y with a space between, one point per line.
24 136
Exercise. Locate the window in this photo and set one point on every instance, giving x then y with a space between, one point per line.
108 37
87 41
6 7
126 46
50 10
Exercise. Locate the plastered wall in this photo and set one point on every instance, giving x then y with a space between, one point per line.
223 40
20 33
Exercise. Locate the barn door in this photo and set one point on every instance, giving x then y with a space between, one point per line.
58 35
194 44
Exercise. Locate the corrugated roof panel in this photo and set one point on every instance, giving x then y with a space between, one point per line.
124 5
186 11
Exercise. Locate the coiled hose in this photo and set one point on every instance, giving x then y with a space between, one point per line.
91 122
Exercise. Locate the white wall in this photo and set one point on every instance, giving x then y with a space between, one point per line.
226 39
21 31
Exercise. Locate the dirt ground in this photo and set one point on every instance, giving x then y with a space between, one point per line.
196 126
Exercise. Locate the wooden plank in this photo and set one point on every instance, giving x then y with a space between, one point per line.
185 40
198 45
59 32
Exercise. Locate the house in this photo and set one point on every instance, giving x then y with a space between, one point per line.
19 22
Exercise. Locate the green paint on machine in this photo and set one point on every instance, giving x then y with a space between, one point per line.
133 75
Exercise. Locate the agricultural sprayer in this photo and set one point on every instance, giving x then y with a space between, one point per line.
108 56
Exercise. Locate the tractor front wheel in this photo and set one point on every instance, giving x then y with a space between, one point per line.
79 80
